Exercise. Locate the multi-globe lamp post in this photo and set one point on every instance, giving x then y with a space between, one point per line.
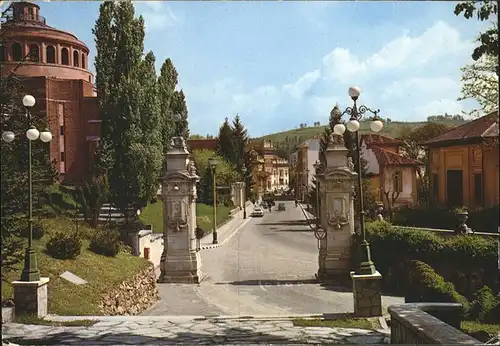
355 113
212 162
30 272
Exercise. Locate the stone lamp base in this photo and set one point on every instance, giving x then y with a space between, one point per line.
31 297
367 296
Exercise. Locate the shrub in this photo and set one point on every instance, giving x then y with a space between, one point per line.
64 245
38 231
467 261
426 285
482 305
106 242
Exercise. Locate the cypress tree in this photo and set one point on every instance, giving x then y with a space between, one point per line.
240 139
167 81
225 142
180 115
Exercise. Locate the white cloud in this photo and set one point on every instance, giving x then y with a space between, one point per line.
436 107
157 15
434 85
304 83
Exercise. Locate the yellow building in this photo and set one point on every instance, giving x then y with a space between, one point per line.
463 164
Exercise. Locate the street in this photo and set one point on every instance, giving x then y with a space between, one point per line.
267 268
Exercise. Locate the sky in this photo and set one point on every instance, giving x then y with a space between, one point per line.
279 64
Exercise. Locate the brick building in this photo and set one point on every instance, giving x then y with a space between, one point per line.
53 66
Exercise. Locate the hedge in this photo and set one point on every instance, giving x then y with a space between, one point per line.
469 262
485 220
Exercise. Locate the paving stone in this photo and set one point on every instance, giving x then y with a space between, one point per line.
363 340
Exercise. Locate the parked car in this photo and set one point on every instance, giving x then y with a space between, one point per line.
257 212
281 207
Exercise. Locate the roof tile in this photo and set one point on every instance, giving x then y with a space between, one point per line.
389 158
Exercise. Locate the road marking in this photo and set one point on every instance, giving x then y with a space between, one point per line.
262 287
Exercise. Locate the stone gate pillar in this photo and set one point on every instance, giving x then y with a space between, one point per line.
180 261
337 212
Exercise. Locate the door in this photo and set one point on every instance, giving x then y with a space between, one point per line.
454 188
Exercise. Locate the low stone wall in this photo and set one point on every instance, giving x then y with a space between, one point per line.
132 296
428 323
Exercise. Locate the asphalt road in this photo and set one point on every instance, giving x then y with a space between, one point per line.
267 268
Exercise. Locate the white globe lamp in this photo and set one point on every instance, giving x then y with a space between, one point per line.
46 136
376 125
353 125
354 92
8 136
32 134
339 129
28 101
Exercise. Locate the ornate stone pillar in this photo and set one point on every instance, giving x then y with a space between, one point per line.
180 260
337 212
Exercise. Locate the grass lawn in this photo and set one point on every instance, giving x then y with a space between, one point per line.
153 215
358 323
32 319
477 330
102 273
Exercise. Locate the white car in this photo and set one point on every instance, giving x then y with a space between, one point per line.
258 212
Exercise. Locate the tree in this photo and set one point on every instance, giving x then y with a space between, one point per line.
225 142
488 40
129 107
91 195
180 114
14 169
240 139
480 82
167 81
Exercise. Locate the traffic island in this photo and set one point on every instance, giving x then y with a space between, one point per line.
31 297
367 295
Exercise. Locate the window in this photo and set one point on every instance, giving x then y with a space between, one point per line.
62 156
435 187
64 56
61 130
17 52
51 54
478 189
397 182
75 58
83 61
34 52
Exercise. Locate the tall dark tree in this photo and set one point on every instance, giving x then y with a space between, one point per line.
225 142
167 81
180 115
14 169
240 139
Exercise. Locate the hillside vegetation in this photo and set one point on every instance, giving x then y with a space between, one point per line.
391 129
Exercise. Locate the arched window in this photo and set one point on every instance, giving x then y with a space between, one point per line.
64 56
34 52
83 60
3 53
51 54
17 52
76 57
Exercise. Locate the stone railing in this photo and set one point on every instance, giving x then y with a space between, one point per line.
428 323
449 232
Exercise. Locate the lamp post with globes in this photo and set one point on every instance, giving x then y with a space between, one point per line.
30 272
212 162
366 266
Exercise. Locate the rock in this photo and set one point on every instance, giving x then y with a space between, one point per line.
132 296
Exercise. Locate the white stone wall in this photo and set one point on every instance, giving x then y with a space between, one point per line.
148 239
407 177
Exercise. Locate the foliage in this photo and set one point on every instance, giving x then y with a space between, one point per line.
38 230
128 99
225 142
91 195
425 285
14 170
64 245
488 40
180 114
485 220
469 262
480 82
485 306
167 81
225 176
106 242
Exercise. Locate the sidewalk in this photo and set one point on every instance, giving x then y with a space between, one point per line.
226 231
133 330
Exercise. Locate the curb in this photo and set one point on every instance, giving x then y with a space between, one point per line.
214 246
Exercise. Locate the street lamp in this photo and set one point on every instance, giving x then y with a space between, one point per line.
244 171
30 272
366 266
212 162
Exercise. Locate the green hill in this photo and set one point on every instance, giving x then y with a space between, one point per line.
391 129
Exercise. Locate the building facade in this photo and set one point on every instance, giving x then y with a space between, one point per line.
303 160
464 165
53 67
